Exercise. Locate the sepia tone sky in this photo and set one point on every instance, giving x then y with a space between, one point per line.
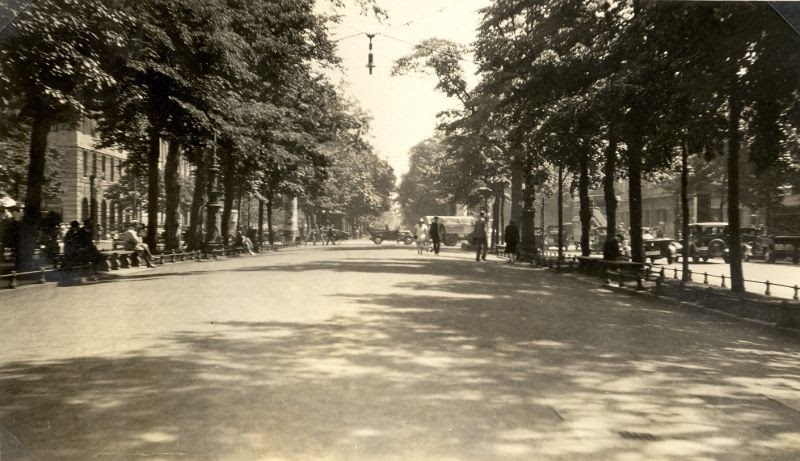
403 108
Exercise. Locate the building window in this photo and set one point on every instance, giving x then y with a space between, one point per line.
103 165
94 163
85 164
111 167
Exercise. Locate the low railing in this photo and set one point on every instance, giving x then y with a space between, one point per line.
723 280
12 279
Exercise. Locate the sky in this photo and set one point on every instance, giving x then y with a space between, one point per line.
403 108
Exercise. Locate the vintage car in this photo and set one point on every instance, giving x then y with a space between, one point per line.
776 247
658 248
397 235
710 240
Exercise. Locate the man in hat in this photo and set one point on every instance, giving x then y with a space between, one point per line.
437 233
480 237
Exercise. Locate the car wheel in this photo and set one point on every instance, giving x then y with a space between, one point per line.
408 241
769 256
377 240
451 240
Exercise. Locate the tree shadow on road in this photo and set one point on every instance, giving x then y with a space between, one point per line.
484 362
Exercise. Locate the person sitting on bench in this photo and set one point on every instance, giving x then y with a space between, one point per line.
132 242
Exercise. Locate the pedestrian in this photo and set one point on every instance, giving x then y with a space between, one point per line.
437 232
71 253
132 242
511 237
479 237
421 235
330 236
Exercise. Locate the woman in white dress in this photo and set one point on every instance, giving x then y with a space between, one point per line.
421 236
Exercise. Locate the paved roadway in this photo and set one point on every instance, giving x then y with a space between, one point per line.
365 352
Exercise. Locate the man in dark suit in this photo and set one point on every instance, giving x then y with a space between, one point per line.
437 233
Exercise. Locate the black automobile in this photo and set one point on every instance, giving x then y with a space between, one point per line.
397 235
710 240
777 247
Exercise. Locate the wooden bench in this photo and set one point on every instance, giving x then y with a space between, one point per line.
626 270
619 270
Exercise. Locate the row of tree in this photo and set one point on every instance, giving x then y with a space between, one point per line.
605 90
243 81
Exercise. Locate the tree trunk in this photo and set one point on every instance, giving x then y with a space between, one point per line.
270 231
516 191
560 204
260 221
685 209
196 210
496 220
635 197
173 190
527 244
734 238
609 170
153 192
585 204
229 196
26 238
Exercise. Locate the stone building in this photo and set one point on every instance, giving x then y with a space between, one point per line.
86 172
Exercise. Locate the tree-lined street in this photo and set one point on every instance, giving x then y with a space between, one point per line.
365 352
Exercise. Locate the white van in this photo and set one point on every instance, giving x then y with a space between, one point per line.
455 227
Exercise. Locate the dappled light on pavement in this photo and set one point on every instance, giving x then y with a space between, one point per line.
382 355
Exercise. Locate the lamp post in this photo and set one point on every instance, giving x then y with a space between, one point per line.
213 207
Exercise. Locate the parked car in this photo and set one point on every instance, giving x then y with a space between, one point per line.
776 247
658 248
710 240
397 235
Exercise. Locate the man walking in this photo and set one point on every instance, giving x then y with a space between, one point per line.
479 237
437 232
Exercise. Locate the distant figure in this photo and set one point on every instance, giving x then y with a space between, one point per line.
437 233
79 248
511 235
132 242
421 236
242 241
611 248
479 237
330 236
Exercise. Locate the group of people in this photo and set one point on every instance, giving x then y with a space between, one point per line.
326 235
429 238
480 237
